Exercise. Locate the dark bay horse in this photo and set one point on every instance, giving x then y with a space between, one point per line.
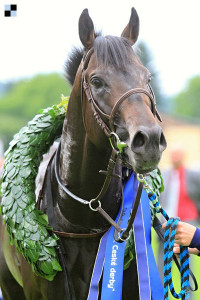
120 87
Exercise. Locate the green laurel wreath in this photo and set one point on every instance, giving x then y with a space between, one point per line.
27 226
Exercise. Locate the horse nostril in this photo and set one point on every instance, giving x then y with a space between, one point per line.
163 143
139 141
149 139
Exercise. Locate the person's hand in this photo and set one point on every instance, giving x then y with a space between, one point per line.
176 250
184 233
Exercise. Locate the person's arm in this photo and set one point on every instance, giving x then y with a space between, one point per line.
195 243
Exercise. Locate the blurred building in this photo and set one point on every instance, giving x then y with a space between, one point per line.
182 132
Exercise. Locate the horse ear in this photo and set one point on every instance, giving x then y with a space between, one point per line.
86 29
131 31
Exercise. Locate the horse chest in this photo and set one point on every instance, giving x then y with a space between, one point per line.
81 255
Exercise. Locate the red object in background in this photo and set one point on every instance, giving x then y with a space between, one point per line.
187 210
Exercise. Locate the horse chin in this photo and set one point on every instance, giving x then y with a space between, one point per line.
139 167
144 170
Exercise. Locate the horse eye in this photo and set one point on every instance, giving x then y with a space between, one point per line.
96 82
149 78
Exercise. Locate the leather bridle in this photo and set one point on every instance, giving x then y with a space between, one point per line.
98 113
109 130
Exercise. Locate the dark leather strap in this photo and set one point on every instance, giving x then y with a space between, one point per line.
79 235
97 112
59 180
95 203
108 218
133 213
126 232
40 194
110 168
124 97
50 208
86 58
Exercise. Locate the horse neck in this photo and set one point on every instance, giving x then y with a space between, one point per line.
80 162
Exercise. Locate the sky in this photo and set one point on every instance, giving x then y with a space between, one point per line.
40 37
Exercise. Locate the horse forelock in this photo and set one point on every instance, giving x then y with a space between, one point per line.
108 50
112 51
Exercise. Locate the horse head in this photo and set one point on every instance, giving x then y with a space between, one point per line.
119 86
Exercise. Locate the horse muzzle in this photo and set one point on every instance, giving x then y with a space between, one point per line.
145 149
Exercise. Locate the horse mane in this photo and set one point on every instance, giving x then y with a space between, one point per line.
72 63
108 50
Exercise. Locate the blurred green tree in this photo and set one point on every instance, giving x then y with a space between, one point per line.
187 102
25 98
146 57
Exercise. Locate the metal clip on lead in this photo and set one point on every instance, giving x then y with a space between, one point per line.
119 145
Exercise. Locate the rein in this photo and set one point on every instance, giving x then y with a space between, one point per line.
90 203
